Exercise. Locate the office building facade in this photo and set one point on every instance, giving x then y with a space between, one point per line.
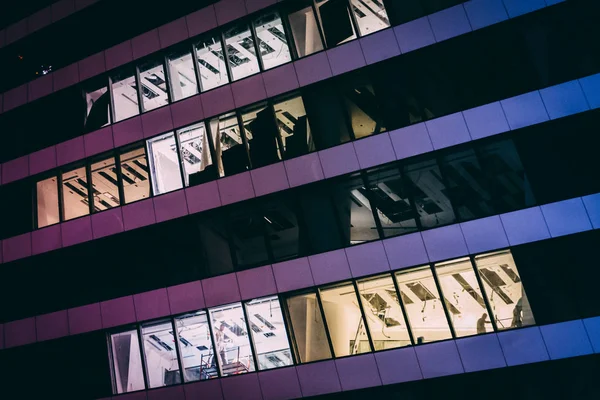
260 199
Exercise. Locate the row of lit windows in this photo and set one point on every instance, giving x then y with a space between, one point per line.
453 299
230 54
472 181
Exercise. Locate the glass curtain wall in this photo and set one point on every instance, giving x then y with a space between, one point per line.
160 354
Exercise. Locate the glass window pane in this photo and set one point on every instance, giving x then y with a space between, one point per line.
195 153
247 233
195 347
351 199
105 185
370 15
230 152
423 307
283 229
268 333
134 169
344 321
240 52
154 85
305 31
429 193
308 328
213 248
362 106
504 290
211 63
164 163
468 185
261 132
98 107
234 355
162 366
463 297
506 177
384 315
388 194
272 40
75 194
335 21
124 93
182 74
47 202
126 361
294 127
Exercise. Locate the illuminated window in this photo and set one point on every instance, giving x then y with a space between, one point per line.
105 185
162 365
195 347
75 193
308 328
165 169
47 202
134 170
126 362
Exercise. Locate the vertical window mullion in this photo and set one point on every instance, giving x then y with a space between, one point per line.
168 81
255 40
113 116
143 356
290 331
290 40
61 201
278 131
353 18
319 23
211 331
197 67
364 316
88 174
226 56
242 129
180 160
140 90
119 179
320 303
212 148
488 306
442 299
178 351
250 337
403 308
365 181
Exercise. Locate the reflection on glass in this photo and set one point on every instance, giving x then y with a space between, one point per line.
335 21
468 185
162 366
75 194
423 307
272 40
354 209
305 31
105 185
247 230
230 152
506 177
240 52
182 74
362 107
261 132
128 375
195 347
429 193
370 15
294 127
231 340
389 196
504 290
134 170
47 202
98 108
463 296
195 152
211 63
124 95
268 333
154 85
383 313
282 227
164 164
308 328
344 320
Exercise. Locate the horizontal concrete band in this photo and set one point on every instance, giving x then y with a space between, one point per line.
437 27
452 241
514 113
472 354
55 12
